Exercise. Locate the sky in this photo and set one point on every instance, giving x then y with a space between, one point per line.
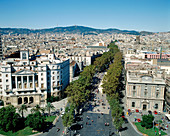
139 15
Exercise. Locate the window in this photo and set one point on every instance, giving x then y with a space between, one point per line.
6 80
0 80
20 85
7 87
134 87
24 56
6 75
145 93
53 78
42 85
0 74
36 84
53 72
157 95
25 85
0 86
133 104
57 77
156 106
41 74
57 72
30 85
41 79
134 93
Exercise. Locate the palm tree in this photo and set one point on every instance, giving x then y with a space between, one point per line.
49 107
22 109
43 110
36 109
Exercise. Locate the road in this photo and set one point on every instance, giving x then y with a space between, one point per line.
93 123
53 131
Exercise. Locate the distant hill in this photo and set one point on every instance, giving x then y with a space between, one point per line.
70 29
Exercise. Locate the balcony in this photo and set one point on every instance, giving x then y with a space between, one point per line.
8 90
43 88
58 85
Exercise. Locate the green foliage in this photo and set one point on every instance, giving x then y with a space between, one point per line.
50 118
35 121
52 99
1 103
49 107
37 108
147 121
111 83
149 132
22 109
9 119
68 117
23 132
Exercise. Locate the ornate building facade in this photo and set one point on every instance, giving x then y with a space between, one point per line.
29 80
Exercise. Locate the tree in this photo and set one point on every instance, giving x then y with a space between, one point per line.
68 117
35 121
36 108
9 119
22 109
49 107
147 121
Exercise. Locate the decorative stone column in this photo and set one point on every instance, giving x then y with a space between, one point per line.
16 82
22 85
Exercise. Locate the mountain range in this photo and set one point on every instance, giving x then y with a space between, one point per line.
71 29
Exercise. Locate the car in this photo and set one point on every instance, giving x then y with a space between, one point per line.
62 114
138 120
150 112
155 112
58 129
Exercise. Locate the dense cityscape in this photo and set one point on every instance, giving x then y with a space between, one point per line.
42 74
85 68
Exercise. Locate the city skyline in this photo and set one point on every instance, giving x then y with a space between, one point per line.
152 15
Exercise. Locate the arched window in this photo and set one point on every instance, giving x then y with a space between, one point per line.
31 99
133 104
25 100
24 56
19 100
156 106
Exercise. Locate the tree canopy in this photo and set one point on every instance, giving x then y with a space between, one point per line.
9 119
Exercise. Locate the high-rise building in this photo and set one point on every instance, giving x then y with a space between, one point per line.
1 51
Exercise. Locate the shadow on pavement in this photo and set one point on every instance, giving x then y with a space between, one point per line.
123 129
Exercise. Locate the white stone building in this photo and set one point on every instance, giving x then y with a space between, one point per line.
30 80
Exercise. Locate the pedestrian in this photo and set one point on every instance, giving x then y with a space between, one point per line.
91 120
86 123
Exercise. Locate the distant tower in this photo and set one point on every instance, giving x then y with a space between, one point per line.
138 39
161 53
1 51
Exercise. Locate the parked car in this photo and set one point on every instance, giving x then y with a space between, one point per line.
62 114
155 112
138 120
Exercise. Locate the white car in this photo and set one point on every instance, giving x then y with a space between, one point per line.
62 113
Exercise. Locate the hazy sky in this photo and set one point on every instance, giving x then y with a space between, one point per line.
149 15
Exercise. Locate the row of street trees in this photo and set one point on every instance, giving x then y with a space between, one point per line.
79 90
10 120
110 86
